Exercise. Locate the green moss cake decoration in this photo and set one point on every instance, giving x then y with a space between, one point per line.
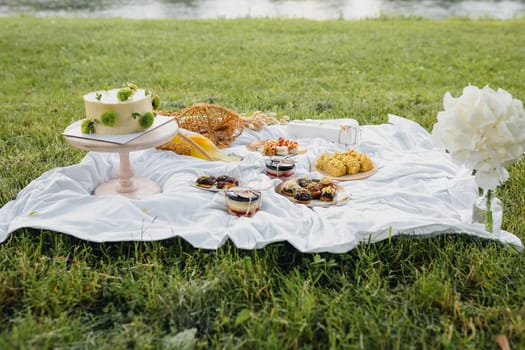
124 94
146 120
87 126
109 118
155 101
132 86
106 87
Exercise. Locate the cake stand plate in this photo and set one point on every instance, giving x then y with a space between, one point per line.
126 183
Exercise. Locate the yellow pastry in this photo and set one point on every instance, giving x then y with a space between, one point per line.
349 162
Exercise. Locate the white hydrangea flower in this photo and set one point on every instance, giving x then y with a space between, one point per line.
483 130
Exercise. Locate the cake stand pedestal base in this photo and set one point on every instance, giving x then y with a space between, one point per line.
126 183
142 188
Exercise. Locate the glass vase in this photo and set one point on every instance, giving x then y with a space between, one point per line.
487 210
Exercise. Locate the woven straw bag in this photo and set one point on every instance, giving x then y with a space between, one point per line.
217 123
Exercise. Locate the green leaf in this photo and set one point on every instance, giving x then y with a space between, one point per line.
243 316
124 94
87 126
155 102
132 86
184 340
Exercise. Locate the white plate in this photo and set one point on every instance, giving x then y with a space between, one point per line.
357 176
257 146
341 196
214 187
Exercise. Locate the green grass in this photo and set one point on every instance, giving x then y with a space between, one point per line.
445 292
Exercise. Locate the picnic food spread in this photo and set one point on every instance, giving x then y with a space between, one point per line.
361 211
204 129
278 164
119 111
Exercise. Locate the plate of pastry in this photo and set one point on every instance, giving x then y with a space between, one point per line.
345 166
313 192
280 147
215 183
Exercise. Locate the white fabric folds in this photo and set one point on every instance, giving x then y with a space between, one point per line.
417 191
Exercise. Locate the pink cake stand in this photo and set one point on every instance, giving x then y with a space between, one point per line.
126 183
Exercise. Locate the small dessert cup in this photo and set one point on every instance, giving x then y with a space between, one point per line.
280 168
242 201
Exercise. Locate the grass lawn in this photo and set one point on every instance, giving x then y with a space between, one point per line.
445 292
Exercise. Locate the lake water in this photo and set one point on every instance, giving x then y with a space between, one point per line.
311 9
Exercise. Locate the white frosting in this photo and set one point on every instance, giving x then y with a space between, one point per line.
138 102
281 150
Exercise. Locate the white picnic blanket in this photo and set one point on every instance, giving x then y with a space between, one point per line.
417 191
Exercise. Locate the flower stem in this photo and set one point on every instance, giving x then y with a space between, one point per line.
488 215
